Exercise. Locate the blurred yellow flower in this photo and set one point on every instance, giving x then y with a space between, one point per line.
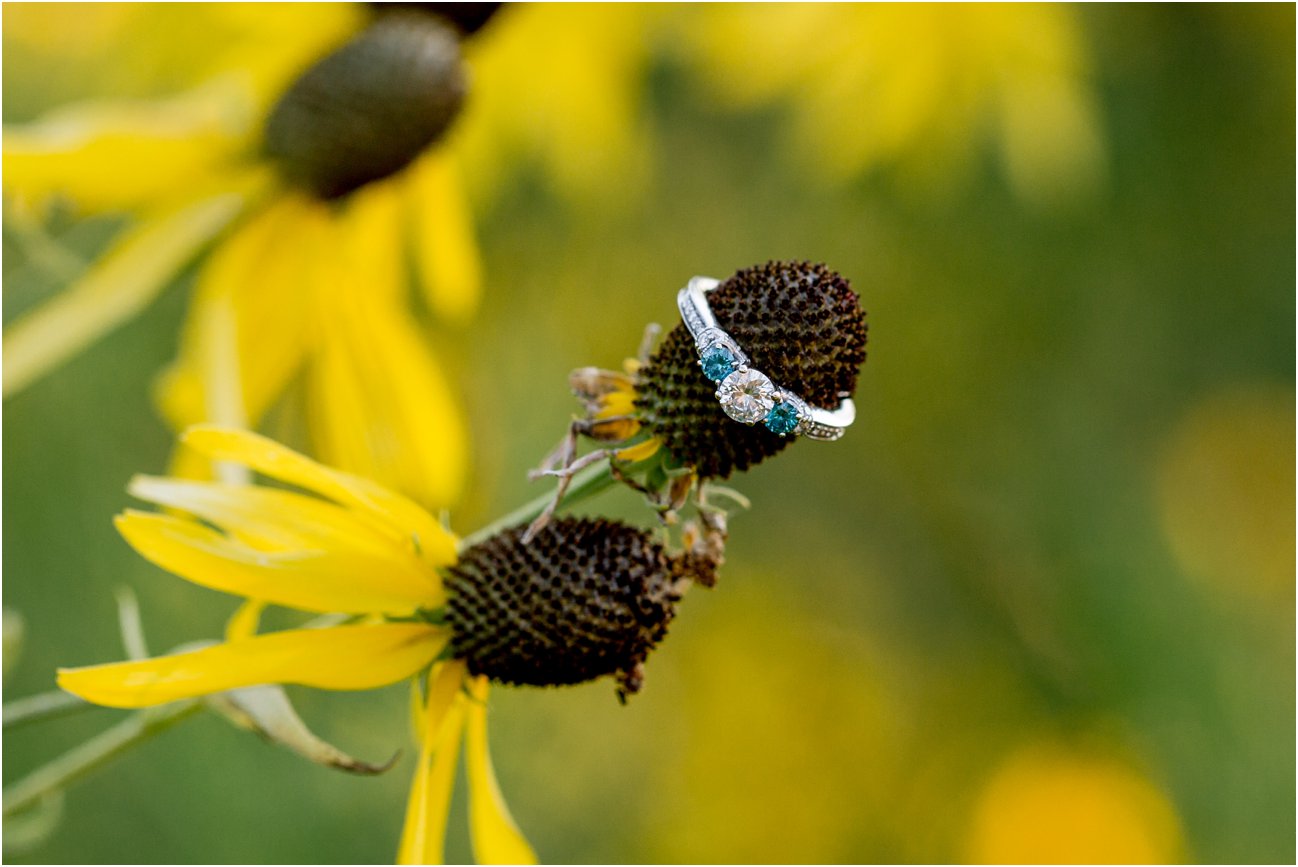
921 89
304 282
1051 804
335 543
557 86
1225 491
766 792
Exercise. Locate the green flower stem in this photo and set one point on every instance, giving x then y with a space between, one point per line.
82 759
585 484
43 251
43 706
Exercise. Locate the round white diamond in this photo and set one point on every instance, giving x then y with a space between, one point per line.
746 395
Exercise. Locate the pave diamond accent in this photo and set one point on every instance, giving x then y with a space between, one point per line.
746 395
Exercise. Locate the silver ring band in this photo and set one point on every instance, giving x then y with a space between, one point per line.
748 395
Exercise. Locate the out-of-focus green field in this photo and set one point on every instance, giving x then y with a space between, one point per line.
1050 570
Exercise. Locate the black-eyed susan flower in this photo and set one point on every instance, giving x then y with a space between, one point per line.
669 417
585 598
319 194
920 91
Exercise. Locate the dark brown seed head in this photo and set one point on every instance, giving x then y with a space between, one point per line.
585 598
369 108
468 17
800 324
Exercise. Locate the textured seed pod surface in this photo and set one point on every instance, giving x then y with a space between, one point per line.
584 598
800 324
369 108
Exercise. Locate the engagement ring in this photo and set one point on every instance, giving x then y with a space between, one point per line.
748 395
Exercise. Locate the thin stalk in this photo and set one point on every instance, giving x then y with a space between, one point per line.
79 761
42 706
585 485
41 249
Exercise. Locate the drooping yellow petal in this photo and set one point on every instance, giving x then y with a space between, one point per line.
367 258
108 156
495 837
423 836
320 581
245 620
402 518
272 518
137 267
341 657
259 280
382 408
442 234
379 403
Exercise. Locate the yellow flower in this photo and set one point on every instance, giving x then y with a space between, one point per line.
918 88
557 86
1049 803
304 285
332 543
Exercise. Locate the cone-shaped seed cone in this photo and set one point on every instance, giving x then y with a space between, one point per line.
369 108
800 324
584 598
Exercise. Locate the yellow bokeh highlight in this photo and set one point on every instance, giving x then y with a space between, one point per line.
1225 489
920 89
790 735
1051 804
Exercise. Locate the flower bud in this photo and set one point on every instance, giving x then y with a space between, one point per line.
368 109
800 324
584 598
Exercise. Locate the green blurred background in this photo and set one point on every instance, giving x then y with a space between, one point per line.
1045 585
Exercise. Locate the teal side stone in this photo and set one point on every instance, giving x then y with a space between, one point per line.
718 363
782 419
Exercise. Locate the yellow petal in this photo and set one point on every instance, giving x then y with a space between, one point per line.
121 155
424 835
639 451
368 248
319 581
402 518
379 403
246 619
136 268
270 519
382 407
258 281
445 248
496 839
616 403
275 519
342 657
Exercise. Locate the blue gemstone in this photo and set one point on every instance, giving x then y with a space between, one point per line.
782 419
718 362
